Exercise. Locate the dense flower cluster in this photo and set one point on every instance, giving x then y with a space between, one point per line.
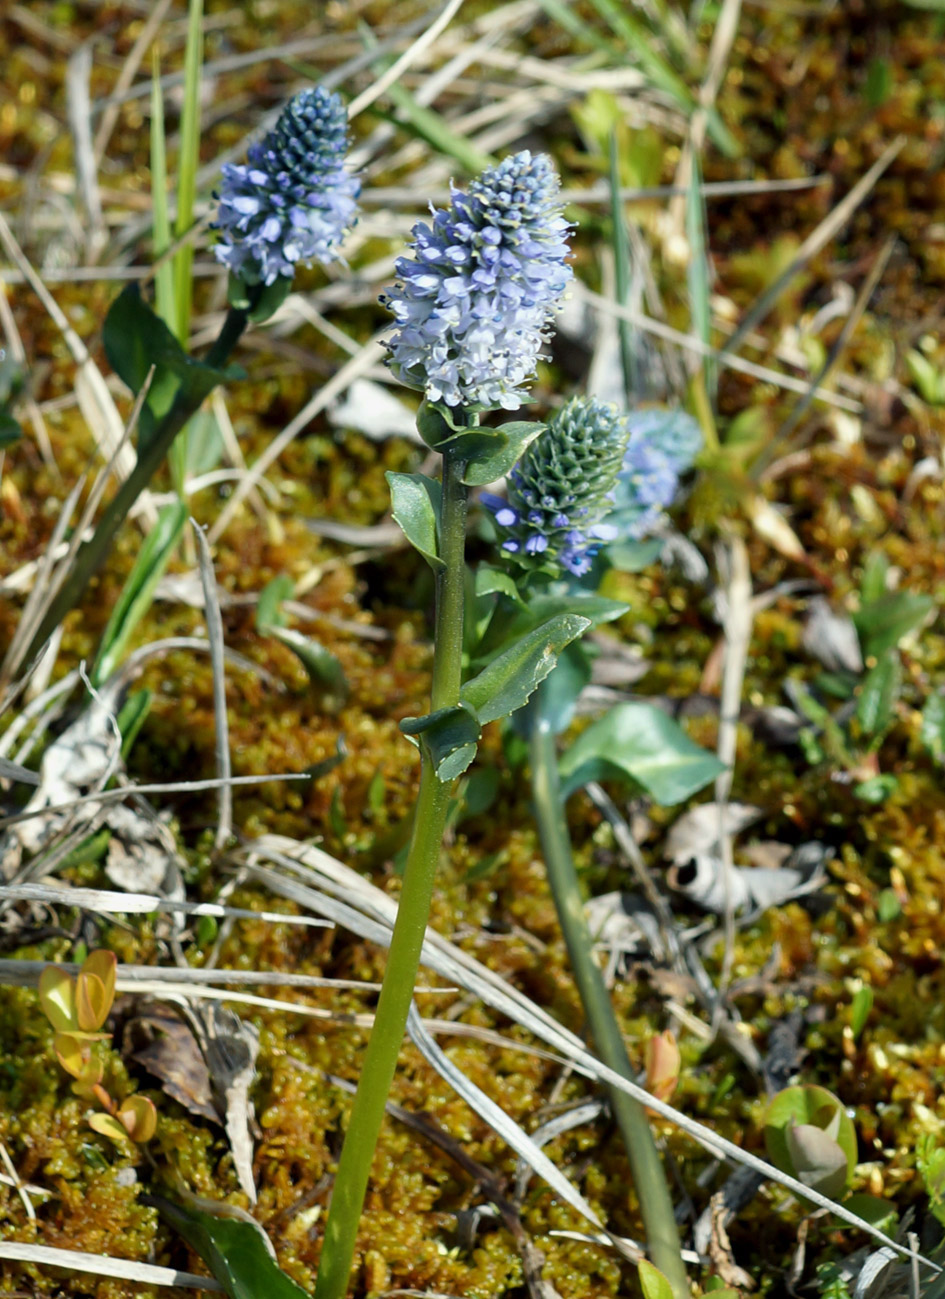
293 202
474 302
662 445
561 489
592 477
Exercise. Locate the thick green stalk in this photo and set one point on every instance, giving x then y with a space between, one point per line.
656 1207
390 1019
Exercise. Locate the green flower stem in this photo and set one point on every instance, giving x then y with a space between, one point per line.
91 554
390 1019
656 1207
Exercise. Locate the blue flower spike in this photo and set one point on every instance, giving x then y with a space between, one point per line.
293 202
562 488
594 476
474 303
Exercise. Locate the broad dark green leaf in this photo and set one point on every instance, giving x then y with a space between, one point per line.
641 743
415 505
135 338
449 736
324 669
508 681
235 1251
883 623
875 707
496 463
138 592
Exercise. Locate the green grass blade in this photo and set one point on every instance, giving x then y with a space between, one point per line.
430 127
187 168
161 221
623 271
697 271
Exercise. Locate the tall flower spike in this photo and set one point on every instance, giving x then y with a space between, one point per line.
475 301
293 202
562 488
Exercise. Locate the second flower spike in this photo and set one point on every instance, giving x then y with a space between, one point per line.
293 202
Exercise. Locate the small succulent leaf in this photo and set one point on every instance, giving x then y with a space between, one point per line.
137 594
235 1250
663 1065
72 1053
91 1002
104 965
883 623
641 743
449 736
415 505
816 1159
106 1125
500 461
138 1117
89 1076
807 1105
507 683
268 611
876 705
324 669
57 998
652 1281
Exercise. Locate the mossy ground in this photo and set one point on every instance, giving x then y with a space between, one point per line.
806 92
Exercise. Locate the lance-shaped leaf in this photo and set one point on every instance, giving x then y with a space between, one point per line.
415 505
449 736
135 338
324 669
876 705
639 742
509 680
234 1249
137 593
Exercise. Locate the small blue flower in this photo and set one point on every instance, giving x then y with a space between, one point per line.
474 303
293 202
662 446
